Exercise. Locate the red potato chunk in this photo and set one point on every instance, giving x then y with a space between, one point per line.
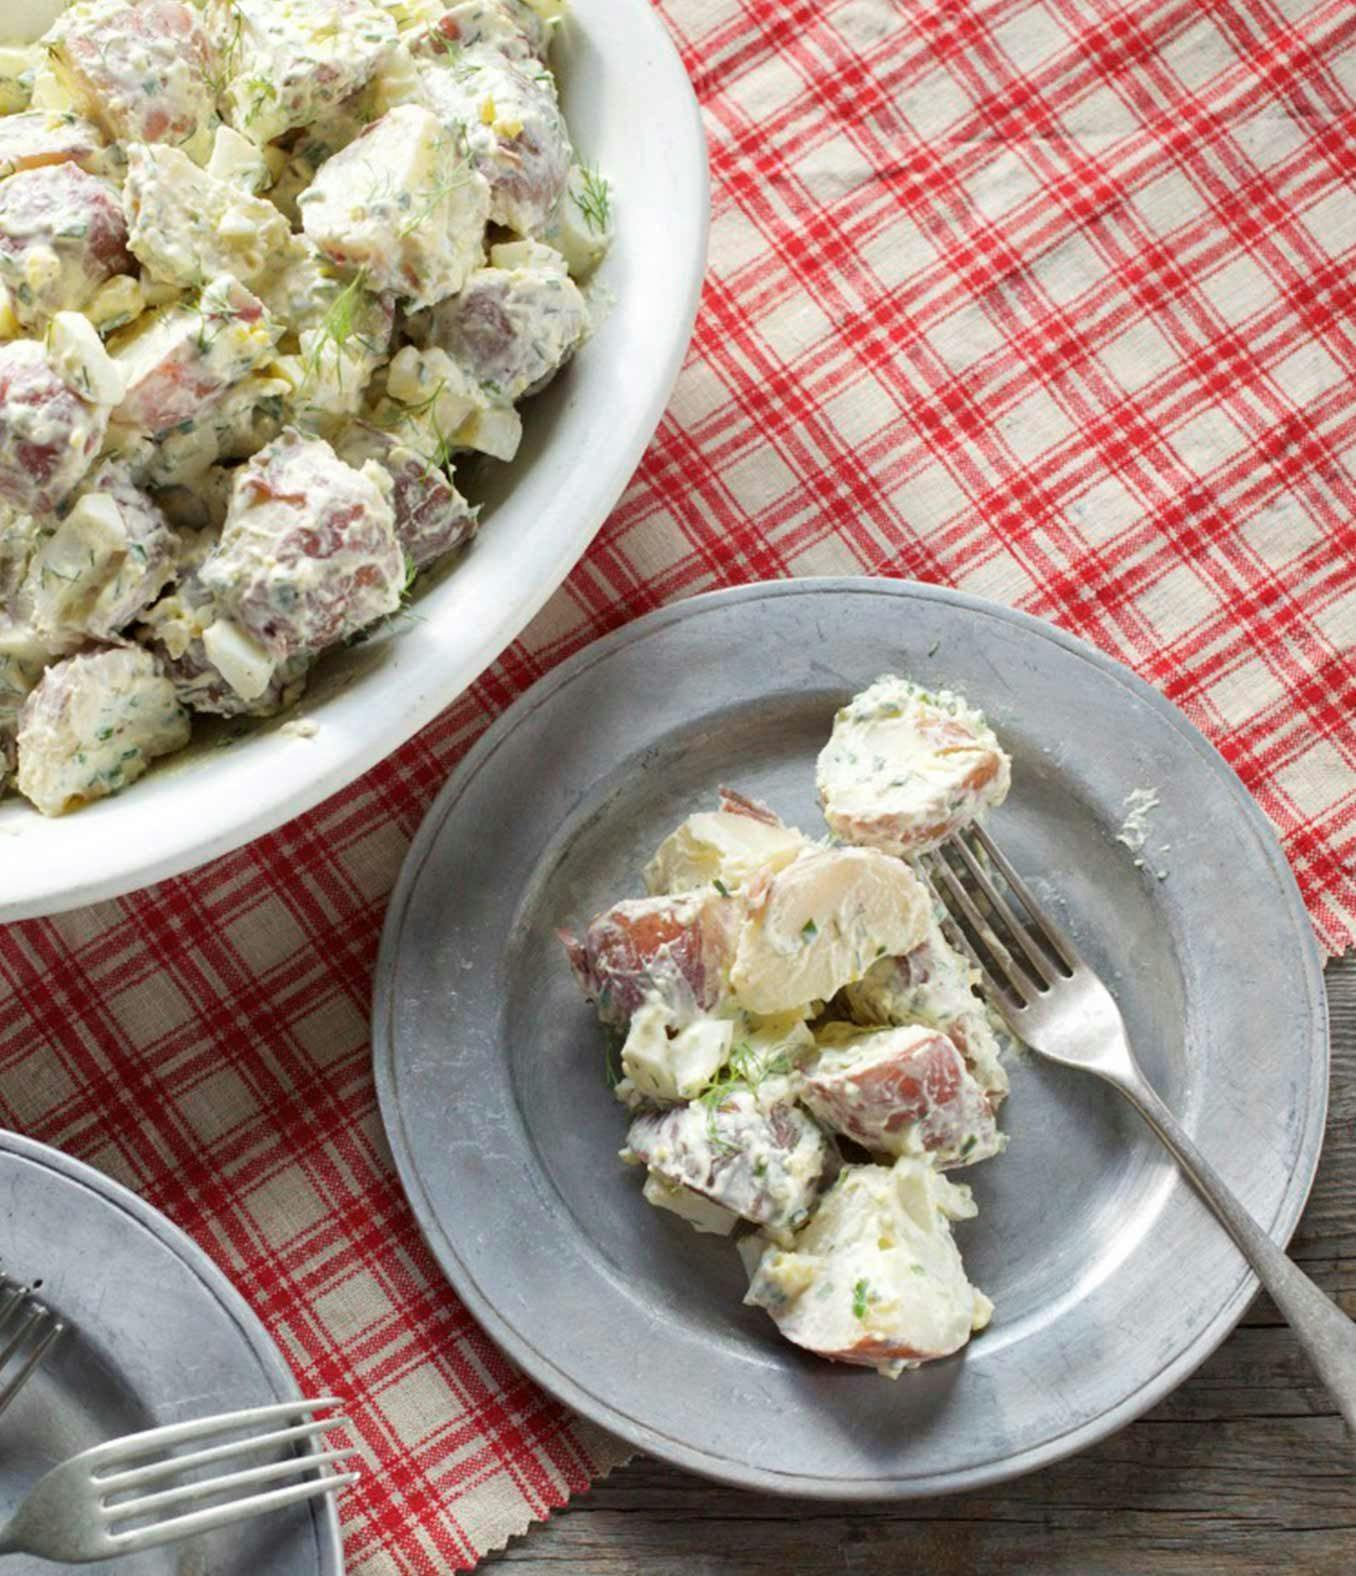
400 204
308 554
93 724
820 923
140 68
517 136
49 436
509 26
62 234
431 516
732 847
512 328
901 1091
174 630
875 1278
41 137
905 768
763 1163
933 985
180 362
675 948
291 65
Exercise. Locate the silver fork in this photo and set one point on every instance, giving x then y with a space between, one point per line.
1059 1007
28 1331
121 1497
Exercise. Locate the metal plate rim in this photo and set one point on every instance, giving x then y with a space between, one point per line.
573 1392
262 1347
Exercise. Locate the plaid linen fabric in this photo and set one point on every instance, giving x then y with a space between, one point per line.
1050 300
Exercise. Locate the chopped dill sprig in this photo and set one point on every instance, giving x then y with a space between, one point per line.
406 416
432 195
338 329
226 58
594 201
612 1062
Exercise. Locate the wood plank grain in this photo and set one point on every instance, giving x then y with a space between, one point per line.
1244 1469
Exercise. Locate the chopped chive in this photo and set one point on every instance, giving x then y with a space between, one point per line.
859 1300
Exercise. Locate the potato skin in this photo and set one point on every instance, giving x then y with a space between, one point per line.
677 947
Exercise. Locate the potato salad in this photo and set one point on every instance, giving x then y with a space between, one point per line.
802 1052
271 272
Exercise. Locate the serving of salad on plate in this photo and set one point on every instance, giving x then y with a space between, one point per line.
269 270
801 1048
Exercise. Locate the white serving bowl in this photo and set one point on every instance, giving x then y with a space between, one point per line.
632 111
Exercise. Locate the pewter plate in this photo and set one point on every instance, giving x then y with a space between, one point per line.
1110 1279
156 1335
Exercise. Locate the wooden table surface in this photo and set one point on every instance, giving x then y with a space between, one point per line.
1244 1470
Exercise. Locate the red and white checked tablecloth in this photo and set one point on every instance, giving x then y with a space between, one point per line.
1052 300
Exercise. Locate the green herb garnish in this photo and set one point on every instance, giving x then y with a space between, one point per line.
859 1300
594 201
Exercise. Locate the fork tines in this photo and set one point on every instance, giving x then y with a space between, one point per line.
28 1331
1021 957
151 1503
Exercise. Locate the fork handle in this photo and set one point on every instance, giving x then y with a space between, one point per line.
1323 1330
